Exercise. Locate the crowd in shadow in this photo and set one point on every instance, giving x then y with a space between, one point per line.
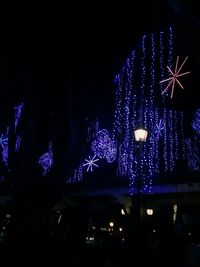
47 246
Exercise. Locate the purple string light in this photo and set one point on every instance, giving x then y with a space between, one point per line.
17 144
196 122
137 102
18 111
104 147
46 160
4 144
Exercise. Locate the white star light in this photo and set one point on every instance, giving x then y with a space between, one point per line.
90 163
3 141
159 128
175 75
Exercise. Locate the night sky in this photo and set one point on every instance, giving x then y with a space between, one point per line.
61 62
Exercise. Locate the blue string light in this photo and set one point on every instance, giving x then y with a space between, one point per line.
138 102
138 97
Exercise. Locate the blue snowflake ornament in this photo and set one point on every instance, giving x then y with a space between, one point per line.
90 163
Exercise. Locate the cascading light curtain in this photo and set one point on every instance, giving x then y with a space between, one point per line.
139 102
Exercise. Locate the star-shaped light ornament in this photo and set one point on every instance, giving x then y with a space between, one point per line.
90 163
175 77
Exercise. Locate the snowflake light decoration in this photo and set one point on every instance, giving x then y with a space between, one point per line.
3 141
174 77
159 127
90 163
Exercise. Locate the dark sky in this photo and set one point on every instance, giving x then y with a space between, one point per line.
70 50
61 61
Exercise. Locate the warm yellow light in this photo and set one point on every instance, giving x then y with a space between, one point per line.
111 224
140 135
150 212
174 212
122 212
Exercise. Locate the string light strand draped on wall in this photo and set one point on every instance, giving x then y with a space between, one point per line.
139 102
